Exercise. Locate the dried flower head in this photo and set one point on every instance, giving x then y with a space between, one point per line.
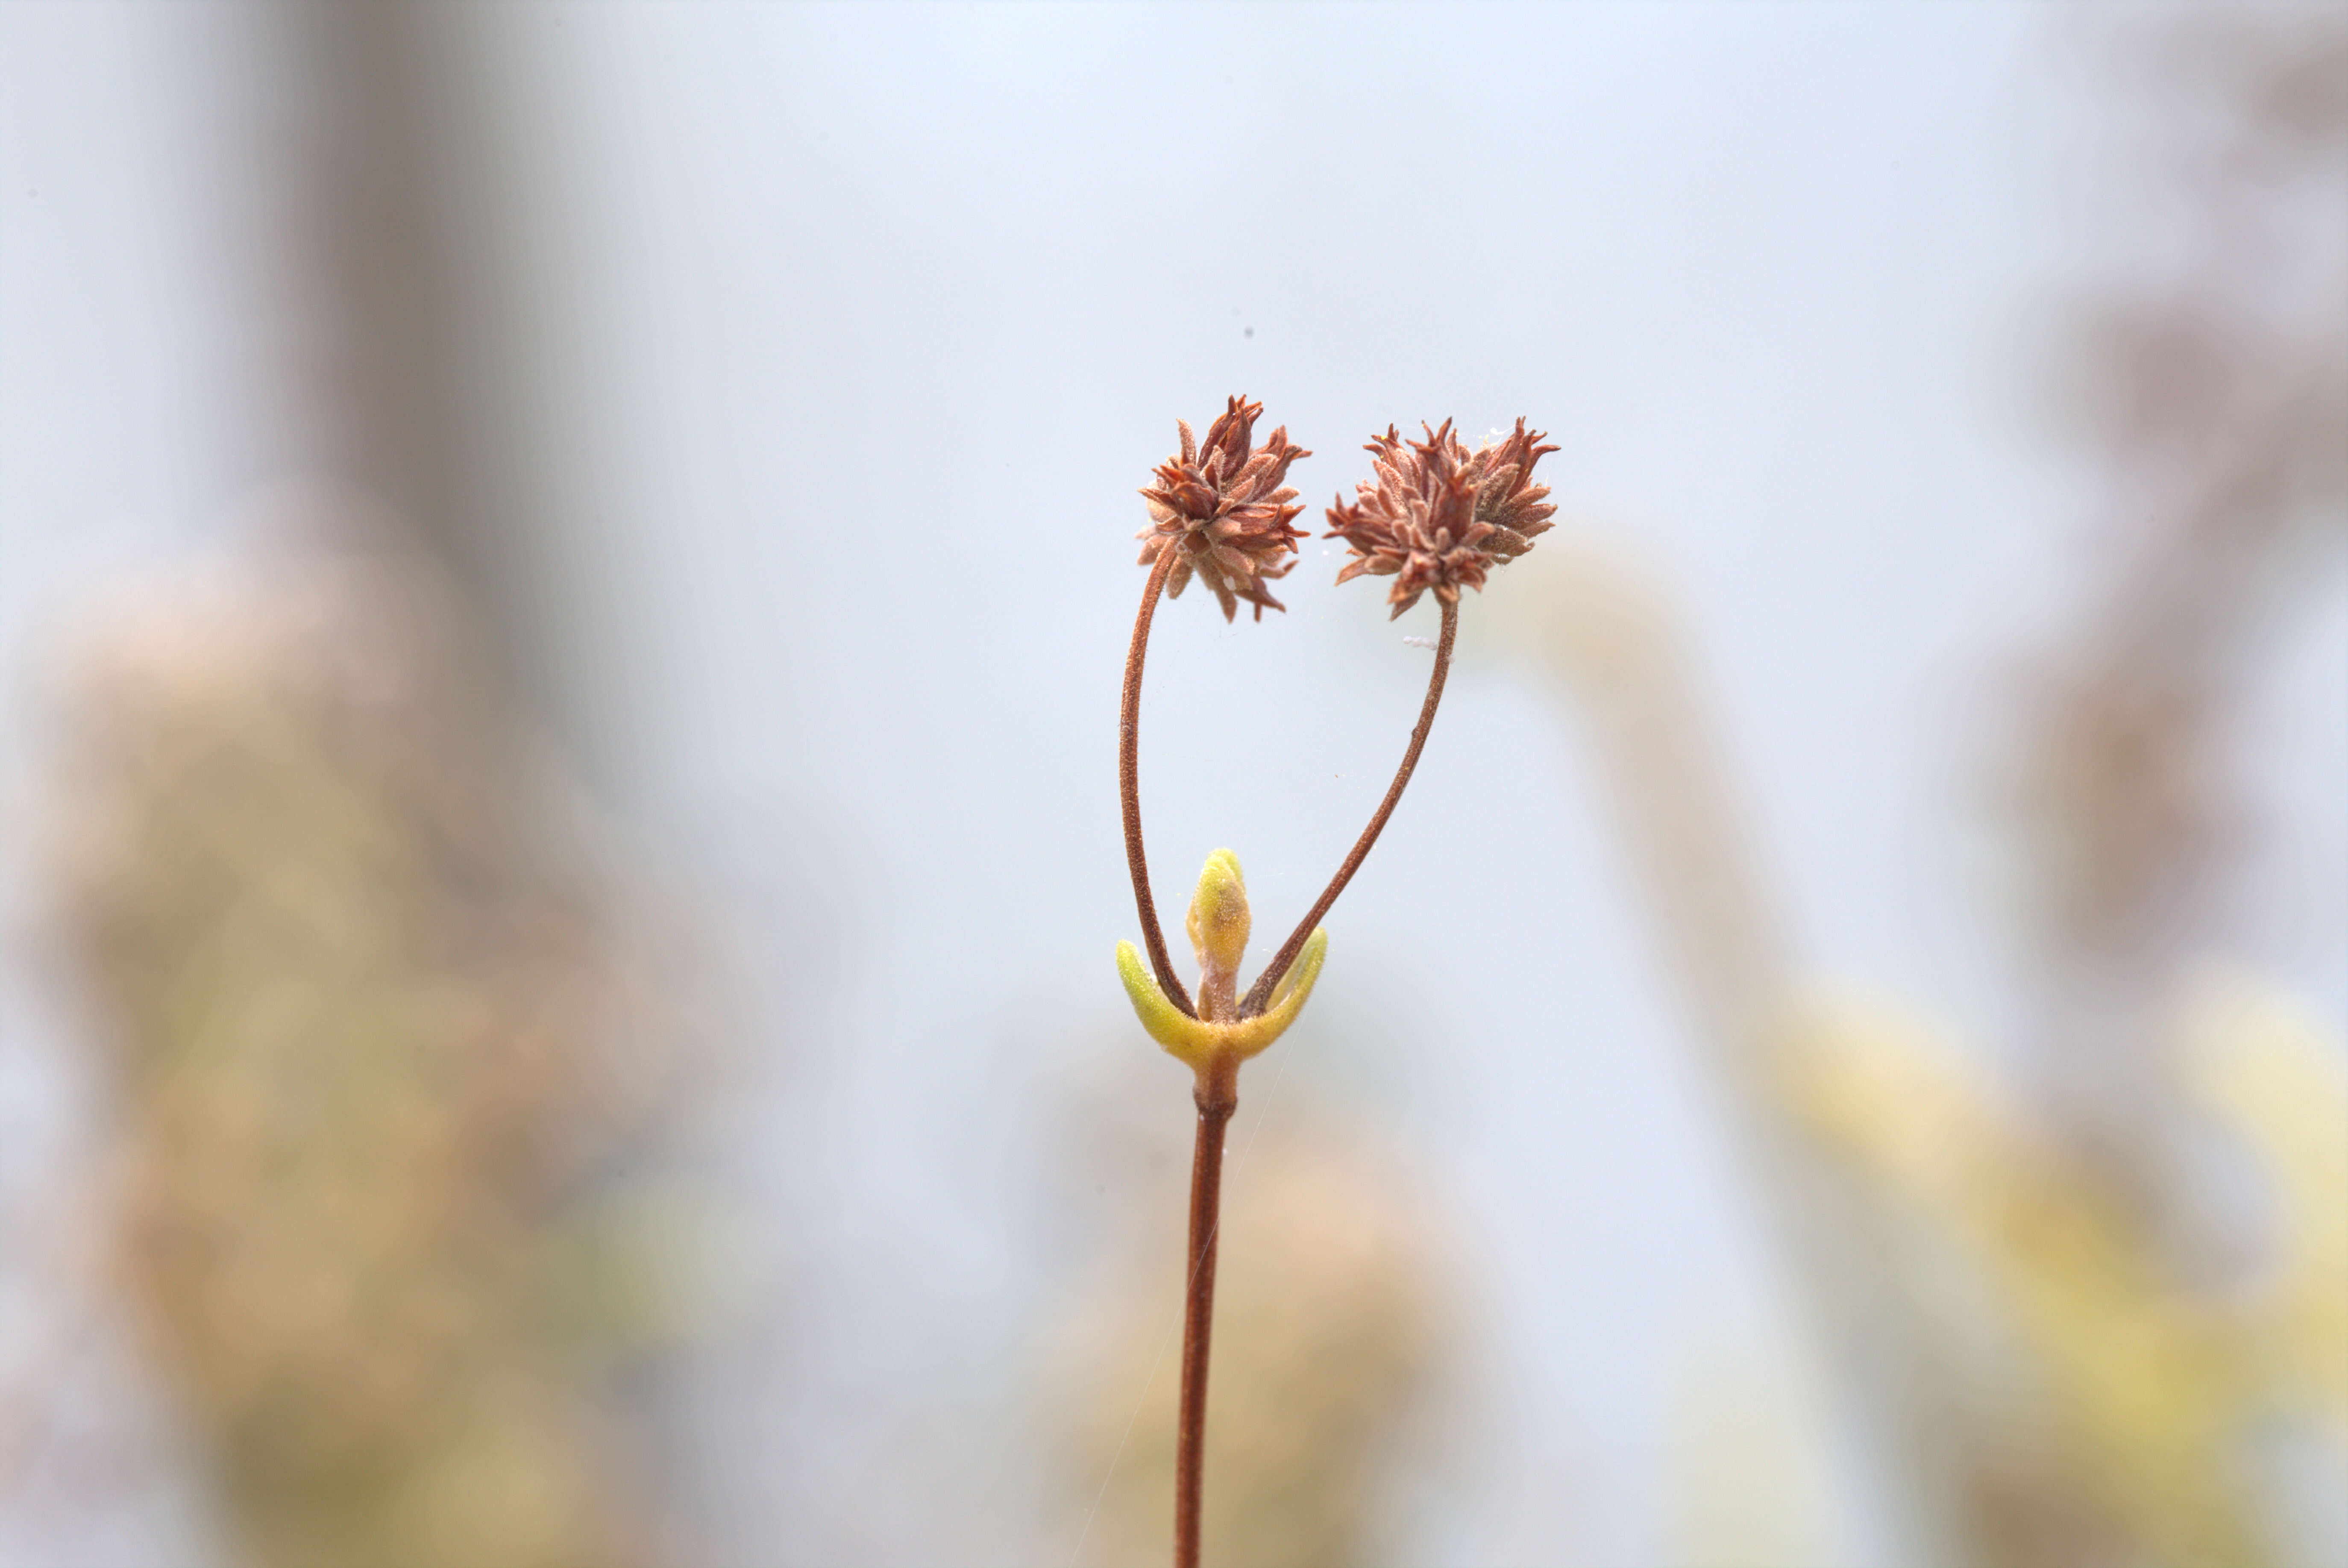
1438 516
1222 507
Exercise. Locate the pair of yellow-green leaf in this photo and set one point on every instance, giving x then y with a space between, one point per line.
1219 923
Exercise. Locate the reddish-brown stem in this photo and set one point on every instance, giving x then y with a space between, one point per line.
1261 993
1218 1097
1128 785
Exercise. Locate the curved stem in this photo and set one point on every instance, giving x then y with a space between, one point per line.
1128 785
1261 993
1218 1097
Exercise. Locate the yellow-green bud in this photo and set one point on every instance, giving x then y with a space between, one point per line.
1219 923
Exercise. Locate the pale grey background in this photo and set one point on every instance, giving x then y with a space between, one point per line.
828 346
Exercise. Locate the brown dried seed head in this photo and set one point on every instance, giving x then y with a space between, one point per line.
1438 516
1221 505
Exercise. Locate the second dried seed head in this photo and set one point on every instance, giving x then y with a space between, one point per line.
1439 516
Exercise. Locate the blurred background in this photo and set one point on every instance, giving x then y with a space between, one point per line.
564 576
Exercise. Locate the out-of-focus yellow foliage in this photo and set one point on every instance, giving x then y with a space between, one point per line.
2153 1386
2057 1384
365 1021
2269 1070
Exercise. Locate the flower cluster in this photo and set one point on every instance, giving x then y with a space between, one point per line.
1221 505
1438 516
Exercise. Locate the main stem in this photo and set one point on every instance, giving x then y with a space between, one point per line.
1128 784
1218 1097
1261 991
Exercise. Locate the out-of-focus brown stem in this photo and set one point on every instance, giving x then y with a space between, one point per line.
1261 993
1128 785
1218 1097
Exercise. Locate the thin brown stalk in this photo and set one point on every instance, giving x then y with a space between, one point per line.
1218 1097
1128 784
1261 993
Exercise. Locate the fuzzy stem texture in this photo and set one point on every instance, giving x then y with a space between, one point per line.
1261 993
1218 1097
1128 785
